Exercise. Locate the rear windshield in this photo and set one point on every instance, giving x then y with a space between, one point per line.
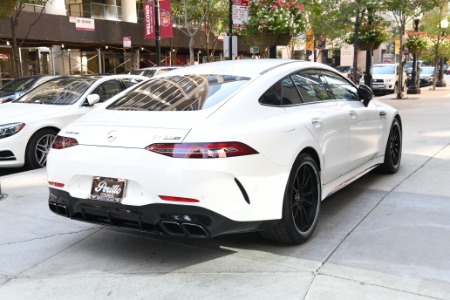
179 93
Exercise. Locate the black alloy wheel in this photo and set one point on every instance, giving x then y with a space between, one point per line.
301 205
393 153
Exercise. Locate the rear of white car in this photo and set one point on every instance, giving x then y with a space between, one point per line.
180 178
221 148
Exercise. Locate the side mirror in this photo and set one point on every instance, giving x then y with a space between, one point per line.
365 93
92 99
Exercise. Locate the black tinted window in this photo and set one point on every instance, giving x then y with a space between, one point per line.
108 89
283 92
311 86
341 88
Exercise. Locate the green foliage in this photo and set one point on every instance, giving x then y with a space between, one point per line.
417 40
275 16
370 33
7 8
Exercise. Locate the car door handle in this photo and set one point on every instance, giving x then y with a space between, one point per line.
353 115
383 114
316 123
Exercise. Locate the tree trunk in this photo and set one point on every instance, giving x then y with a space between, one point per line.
15 47
400 90
191 49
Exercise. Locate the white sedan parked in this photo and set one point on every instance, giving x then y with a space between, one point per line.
29 124
234 146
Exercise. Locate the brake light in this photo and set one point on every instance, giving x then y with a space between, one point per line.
178 199
202 150
56 184
62 142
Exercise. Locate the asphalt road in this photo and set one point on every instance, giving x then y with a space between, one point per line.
383 237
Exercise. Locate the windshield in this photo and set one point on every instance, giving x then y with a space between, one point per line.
408 64
61 91
427 71
180 93
384 70
18 85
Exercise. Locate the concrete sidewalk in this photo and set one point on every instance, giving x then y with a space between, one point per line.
383 237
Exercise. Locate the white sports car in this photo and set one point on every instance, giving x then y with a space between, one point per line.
216 148
29 124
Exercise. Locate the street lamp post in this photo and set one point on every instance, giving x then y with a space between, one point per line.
441 82
413 88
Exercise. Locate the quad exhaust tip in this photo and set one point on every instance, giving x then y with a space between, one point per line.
174 228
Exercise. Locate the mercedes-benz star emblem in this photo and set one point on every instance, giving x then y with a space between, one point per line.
112 135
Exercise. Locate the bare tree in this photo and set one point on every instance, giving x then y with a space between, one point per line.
11 9
192 15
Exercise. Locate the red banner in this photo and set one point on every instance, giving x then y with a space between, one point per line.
165 22
149 21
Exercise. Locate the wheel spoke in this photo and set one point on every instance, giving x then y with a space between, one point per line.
42 148
304 198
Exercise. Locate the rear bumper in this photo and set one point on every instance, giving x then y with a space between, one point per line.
165 219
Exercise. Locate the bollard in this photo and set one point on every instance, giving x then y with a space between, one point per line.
1 194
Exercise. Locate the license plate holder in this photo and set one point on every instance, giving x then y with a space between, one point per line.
108 189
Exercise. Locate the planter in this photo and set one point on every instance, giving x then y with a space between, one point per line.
262 40
414 50
283 39
366 46
376 45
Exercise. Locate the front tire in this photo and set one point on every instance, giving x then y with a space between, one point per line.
393 152
38 148
301 204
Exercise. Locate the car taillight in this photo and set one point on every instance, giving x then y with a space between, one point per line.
56 184
62 142
177 199
202 150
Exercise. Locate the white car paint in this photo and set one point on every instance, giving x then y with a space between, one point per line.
348 137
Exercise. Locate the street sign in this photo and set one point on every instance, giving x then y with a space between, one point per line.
254 49
239 13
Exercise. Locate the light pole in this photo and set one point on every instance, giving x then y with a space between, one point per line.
441 82
413 88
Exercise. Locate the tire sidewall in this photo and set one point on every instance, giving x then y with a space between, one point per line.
30 152
287 204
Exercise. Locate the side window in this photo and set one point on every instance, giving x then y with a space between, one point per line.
311 86
281 93
107 89
340 87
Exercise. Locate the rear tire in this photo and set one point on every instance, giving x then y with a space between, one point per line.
301 204
393 152
38 147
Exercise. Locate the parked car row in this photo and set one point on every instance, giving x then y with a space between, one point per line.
201 151
30 123
425 76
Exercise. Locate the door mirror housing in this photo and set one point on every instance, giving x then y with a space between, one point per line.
365 93
92 99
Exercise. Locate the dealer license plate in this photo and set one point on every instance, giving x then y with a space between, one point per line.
108 189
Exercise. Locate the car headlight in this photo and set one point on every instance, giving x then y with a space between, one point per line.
389 80
10 129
